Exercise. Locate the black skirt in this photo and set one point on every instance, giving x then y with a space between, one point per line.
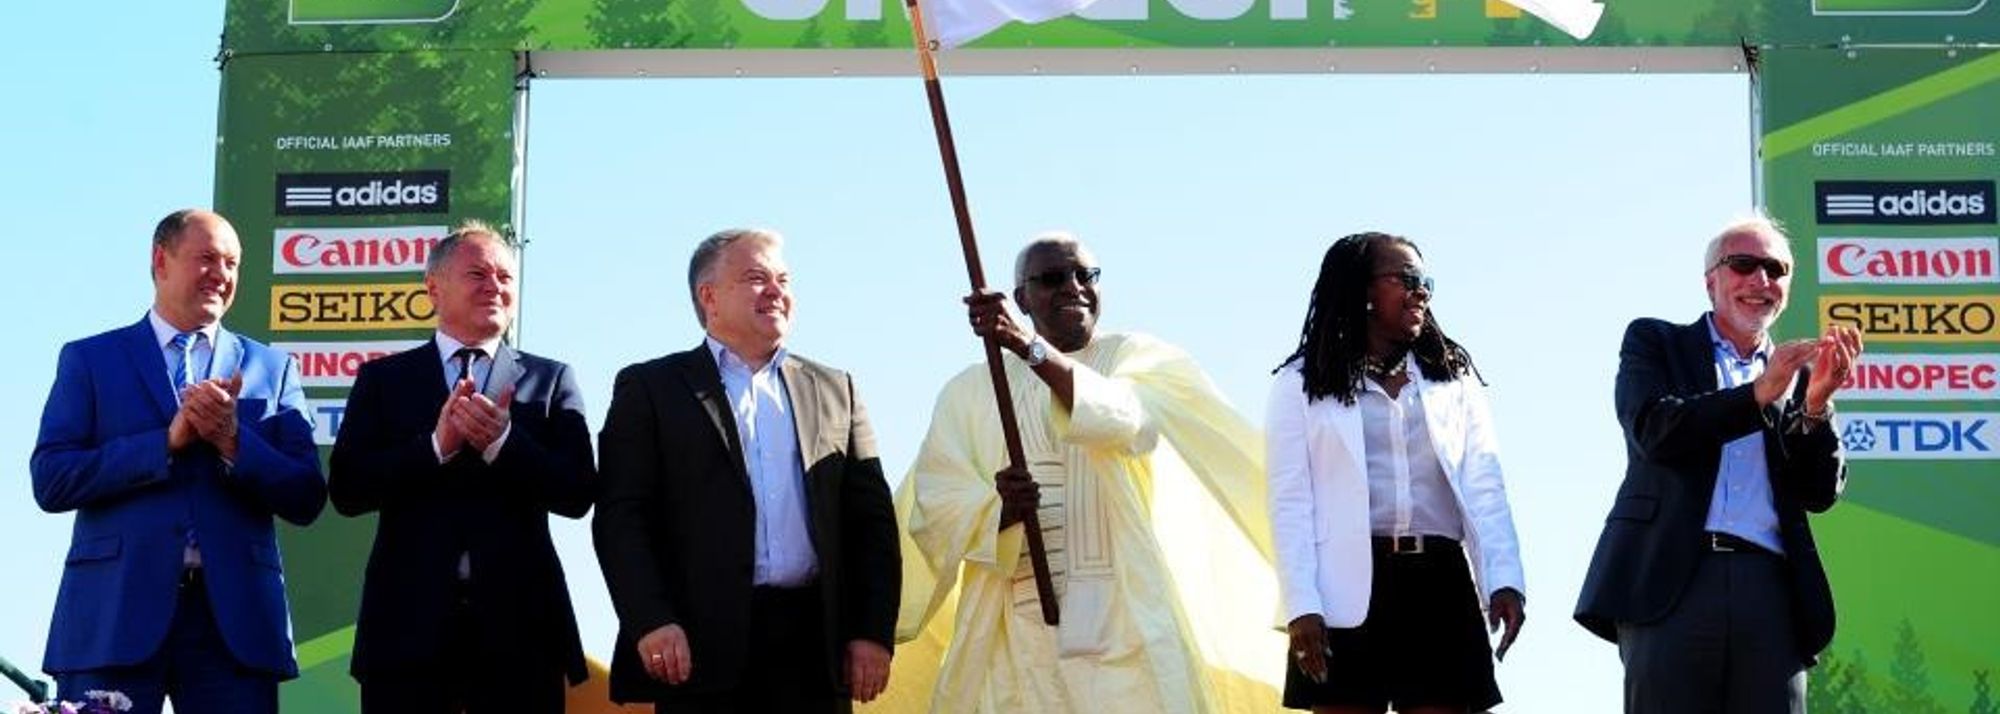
1423 643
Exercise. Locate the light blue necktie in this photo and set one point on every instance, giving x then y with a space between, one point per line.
183 351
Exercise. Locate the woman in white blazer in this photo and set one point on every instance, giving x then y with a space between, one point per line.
1384 481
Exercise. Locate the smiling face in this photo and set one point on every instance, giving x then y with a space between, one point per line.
1058 291
473 289
747 297
194 273
1746 304
1398 314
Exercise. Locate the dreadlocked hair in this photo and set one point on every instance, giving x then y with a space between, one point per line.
1333 343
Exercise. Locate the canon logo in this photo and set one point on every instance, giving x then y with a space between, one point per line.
354 194
1904 202
394 249
1908 261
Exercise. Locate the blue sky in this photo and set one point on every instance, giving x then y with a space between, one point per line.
1552 210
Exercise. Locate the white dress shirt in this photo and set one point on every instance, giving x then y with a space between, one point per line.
770 440
1407 492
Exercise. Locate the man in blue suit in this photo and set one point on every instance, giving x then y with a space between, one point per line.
175 442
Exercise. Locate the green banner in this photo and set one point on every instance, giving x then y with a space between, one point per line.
340 172
1883 165
271 26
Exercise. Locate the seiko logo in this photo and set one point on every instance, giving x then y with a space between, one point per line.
364 193
1916 318
353 250
1908 261
1904 202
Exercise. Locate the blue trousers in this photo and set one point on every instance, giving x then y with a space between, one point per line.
193 667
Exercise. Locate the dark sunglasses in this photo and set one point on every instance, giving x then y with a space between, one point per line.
1743 264
1059 277
1412 281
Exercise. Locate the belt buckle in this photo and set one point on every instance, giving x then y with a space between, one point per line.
1406 545
1717 544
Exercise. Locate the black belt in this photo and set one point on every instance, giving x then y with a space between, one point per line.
1412 544
1727 543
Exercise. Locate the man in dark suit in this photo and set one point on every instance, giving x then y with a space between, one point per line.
1706 575
175 442
464 445
744 527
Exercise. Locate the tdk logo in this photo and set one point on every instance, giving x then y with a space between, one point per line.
360 194
1903 202
1926 436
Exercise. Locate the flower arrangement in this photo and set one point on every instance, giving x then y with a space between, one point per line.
94 702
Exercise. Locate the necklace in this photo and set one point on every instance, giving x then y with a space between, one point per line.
1385 370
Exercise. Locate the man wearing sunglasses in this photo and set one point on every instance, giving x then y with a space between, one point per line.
1096 410
1706 575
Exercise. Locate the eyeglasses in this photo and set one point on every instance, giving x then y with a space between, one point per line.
1411 281
1052 279
1745 264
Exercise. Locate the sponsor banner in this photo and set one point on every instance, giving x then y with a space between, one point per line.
375 193
326 414
1908 261
393 249
370 306
1913 203
1919 435
1923 377
334 364
1914 318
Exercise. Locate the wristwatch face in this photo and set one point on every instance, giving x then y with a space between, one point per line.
1038 353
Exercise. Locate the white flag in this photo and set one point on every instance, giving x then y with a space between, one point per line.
1576 17
960 21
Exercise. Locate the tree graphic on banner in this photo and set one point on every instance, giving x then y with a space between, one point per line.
1982 694
1909 677
622 24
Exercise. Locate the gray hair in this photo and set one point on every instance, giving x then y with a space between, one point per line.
701 266
471 228
1047 239
1757 223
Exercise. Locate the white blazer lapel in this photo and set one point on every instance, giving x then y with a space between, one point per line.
1441 414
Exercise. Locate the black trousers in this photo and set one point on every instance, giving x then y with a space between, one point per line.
468 680
1726 648
787 670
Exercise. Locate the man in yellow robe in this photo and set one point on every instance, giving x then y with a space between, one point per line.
1149 491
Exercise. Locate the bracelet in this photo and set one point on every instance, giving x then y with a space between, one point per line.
1821 416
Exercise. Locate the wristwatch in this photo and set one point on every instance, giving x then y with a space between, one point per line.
1038 351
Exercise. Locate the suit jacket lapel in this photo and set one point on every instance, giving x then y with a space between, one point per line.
1698 354
705 382
1346 420
803 389
151 362
228 356
506 370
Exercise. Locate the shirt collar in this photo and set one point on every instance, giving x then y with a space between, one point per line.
163 332
447 346
1724 347
726 359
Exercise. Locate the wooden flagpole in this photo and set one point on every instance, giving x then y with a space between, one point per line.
1045 589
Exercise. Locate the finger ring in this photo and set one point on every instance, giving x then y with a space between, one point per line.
657 655
1300 654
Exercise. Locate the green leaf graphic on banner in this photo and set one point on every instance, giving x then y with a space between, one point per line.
1896 7
306 12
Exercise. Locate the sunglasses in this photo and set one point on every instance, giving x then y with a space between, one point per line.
1743 264
1412 281
1059 277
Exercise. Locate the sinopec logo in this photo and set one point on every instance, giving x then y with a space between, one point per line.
362 194
1903 202
396 249
335 364
1908 261
1926 436
1903 376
